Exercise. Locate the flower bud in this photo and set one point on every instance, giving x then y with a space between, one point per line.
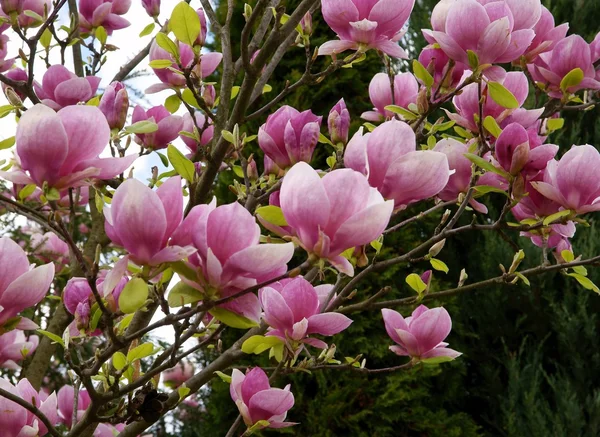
152 7
463 277
209 95
251 170
114 105
437 247
15 74
9 6
426 278
203 27
422 101
307 24
338 123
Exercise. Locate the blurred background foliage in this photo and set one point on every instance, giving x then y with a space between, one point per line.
531 361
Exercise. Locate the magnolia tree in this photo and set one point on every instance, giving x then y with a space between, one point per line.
93 261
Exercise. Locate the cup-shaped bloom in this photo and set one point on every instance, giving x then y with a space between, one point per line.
17 421
105 13
467 104
389 158
15 346
574 183
338 123
114 105
257 401
497 32
61 149
206 135
327 217
420 336
289 136
142 221
229 257
362 25
446 75
568 54
9 6
294 313
169 126
66 400
175 376
546 35
49 248
406 88
207 64
152 7
62 88
20 286
40 7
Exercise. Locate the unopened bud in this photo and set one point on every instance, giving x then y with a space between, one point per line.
338 123
307 24
445 217
437 247
462 278
12 97
251 170
422 101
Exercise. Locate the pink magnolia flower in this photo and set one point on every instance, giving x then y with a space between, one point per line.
206 135
568 54
152 7
62 88
546 35
446 76
338 123
49 248
175 376
229 257
388 157
108 430
294 313
573 183
289 136
207 63
257 401
169 126
66 400
114 104
497 31
203 27
406 88
5 63
327 217
61 149
142 221
366 24
467 104
17 421
15 346
40 7
422 335
20 286
105 13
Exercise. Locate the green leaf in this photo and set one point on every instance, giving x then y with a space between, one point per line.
439 265
183 391
585 282
257 344
331 161
239 172
405 113
277 352
416 283
377 245
5 110
172 103
485 164
485 189
421 73
555 124
523 278
272 214
142 127
95 319
142 351
580 270
228 136
183 269
232 319
119 360
502 96
188 97
183 294
573 78
94 101
124 323
568 256
436 360
46 38
234 92
556 216
147 30
181 164
165 43
27 191
431 142
55 338
490 124
324 140
99 201
159 64
473 59
34 15
185 23
133 296
224 377
163 159
52 194
101 34
267 89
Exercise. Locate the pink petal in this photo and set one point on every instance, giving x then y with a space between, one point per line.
393 320
327 323
301 297
171 196
278 314
431 328
390 48
335 47
13 262
342 205
268 403
73 91
27 290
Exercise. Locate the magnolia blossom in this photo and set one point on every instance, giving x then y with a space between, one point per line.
17 421
257 401
289 136
446 73
206 135
568 54
496 31
206 64
40 7
152 7
573 182
114 104
546 35
422 335
362 25
49 248
62 88
406 88
388 157
5 63
327 217
229 257
338 123
20 286
61 149
105 13
294 313
9 6
142 221
203 27
169 126
175 376
15 346
66 400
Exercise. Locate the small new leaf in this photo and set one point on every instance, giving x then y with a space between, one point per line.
133 296
422 74
416 283
272 214
502 96
183 294
183 166
573 78
185 23
490 124
439 265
